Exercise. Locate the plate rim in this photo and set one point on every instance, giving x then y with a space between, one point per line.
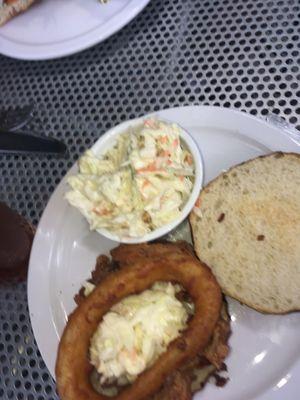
275 395
22 51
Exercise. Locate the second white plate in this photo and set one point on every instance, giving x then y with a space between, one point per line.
55 28
263 363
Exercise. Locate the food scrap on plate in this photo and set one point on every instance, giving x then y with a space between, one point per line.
11 8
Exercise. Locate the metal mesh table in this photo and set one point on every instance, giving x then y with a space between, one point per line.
243 54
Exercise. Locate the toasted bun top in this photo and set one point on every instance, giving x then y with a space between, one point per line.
247 229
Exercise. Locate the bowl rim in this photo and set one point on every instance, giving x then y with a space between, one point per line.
104 142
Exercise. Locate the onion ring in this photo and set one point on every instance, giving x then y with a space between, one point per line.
176 265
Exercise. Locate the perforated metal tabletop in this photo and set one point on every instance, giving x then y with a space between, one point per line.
243 54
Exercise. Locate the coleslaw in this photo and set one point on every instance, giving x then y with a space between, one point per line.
134 333
140 184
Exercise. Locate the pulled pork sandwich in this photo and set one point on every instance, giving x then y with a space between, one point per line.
151 324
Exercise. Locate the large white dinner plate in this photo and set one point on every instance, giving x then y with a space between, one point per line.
264 359
56 28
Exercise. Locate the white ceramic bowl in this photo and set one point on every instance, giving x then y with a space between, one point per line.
106 141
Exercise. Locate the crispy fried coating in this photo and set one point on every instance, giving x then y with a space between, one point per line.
126 254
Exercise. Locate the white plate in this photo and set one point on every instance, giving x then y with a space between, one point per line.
263 363
56 28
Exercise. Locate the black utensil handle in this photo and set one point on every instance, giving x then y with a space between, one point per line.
15 142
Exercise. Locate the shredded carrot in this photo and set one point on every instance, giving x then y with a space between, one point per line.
181 178
101 211
166 153
175 142
189 159
145 183
150 168
162 139
149 123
